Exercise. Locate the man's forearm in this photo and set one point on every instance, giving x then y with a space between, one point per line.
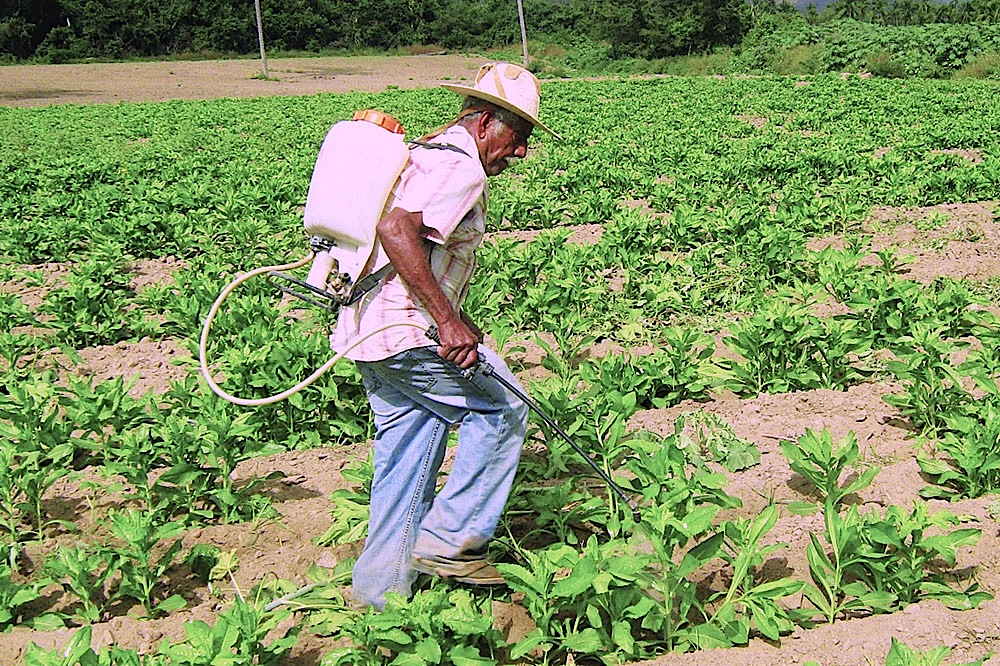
402 236
408 254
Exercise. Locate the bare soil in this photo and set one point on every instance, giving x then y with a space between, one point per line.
106 83
966 245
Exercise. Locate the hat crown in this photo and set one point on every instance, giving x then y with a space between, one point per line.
511 83
509 86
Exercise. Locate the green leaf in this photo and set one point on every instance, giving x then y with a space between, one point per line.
430 650
467 655
579 580
519 577
534 639
621 634
174 602
799 508
587 641
706 637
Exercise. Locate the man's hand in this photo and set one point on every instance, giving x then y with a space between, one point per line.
458 342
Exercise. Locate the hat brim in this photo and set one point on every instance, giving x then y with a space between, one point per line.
469 91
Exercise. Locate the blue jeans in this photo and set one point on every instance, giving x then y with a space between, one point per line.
416 396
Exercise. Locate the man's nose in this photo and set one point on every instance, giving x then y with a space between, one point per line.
521 150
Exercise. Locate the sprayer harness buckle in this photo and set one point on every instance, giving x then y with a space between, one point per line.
344 293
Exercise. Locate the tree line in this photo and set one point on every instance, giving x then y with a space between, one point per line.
64 30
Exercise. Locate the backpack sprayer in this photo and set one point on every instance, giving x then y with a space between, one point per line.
358 165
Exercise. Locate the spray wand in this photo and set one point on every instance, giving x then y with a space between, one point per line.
487 370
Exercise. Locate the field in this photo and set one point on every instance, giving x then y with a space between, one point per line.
767 306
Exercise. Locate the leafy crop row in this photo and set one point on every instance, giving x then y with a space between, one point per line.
709 196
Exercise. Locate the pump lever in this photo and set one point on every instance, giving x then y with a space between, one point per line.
479 366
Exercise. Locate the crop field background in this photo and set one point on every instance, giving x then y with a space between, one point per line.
767 306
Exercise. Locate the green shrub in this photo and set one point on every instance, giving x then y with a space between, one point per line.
801 59
884 64
986 66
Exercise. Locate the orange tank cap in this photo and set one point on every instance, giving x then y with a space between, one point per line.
380 118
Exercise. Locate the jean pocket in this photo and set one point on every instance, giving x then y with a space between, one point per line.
423 369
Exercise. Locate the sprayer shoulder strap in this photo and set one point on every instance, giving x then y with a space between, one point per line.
372 280
439 146
367 283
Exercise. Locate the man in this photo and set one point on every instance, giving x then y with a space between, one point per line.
435 221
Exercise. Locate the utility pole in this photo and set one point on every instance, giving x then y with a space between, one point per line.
524 32
260 38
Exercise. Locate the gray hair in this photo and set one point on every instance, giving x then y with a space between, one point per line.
473 106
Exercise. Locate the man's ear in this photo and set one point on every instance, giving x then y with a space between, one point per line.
484 123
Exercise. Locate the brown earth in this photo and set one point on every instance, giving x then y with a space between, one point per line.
966 244
106 83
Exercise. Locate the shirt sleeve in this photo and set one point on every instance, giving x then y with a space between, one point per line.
444 192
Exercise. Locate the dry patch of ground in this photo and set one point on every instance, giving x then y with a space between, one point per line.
103 83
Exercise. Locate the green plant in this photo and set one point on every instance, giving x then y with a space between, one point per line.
747 603
139 534
678 371
903 554
816 458
877 562
40 446
934 387
971 467
582 603
84 571
202 457
349 507
14 596
79 652
675 618
984 66
560 511
564 359
681 499
104 411
20 351
900 654
711 438
244 634
886 306
436 626
93 308
784 348
135 455
884 64
835 592
10 515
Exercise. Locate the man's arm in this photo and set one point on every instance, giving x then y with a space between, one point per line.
402 236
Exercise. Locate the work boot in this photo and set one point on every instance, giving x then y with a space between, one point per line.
475 571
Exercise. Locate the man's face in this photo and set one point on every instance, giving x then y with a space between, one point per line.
503 144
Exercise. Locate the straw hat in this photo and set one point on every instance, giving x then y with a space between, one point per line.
508 86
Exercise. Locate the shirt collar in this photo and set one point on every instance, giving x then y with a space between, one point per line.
460 137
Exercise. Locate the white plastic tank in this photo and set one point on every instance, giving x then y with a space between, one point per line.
358 164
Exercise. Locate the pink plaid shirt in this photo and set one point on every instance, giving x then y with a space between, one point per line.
450 190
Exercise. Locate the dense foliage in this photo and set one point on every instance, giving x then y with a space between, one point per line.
786 42
713 197
916 37
63 29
